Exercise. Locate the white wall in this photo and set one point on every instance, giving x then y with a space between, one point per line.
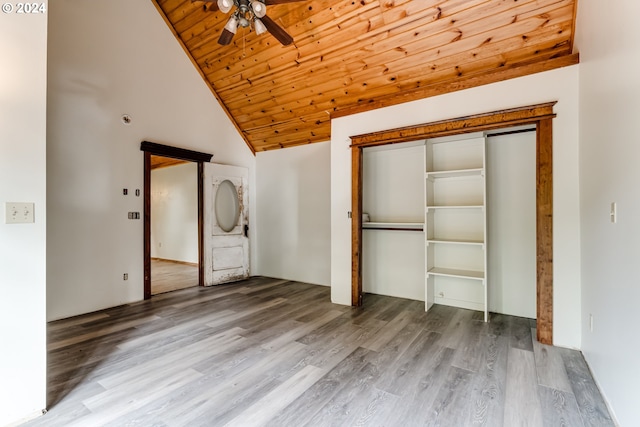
294 213
609 47
174 213
23 49
560 85
106 59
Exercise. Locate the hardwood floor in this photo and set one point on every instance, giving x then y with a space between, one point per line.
167 276
278 353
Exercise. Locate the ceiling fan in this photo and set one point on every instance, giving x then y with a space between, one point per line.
247 13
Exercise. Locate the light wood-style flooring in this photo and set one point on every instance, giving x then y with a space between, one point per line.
278 353
167 276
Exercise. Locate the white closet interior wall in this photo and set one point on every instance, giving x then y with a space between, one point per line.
511 208
393 261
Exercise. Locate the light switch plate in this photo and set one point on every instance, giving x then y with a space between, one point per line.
19 213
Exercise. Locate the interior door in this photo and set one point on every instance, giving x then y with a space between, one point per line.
226 224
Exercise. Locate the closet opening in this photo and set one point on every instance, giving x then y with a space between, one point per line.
541 117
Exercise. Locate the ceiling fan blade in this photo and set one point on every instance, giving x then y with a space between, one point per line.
277 31
225 37
268 2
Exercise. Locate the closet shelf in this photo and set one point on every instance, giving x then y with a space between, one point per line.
451 272
394 226
455 207
454 173
457 242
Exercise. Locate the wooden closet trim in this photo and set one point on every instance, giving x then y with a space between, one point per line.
542 116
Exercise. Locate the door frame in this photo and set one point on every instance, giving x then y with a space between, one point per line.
152 148
542 116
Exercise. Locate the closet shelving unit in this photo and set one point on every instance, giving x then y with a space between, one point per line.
455 223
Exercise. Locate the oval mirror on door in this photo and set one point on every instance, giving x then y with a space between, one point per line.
226 205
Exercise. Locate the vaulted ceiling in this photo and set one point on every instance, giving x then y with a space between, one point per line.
350 56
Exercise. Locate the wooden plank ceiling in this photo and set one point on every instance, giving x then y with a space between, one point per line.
351 56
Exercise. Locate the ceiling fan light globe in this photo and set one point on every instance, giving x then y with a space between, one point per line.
259 26
232 25
243 22
259 8
225 5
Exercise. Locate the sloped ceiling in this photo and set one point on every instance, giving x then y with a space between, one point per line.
351 56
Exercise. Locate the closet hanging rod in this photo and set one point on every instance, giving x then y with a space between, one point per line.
510 132
393 229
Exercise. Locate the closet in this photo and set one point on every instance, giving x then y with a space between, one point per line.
427 207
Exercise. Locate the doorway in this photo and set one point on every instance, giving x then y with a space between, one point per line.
174 224
151 149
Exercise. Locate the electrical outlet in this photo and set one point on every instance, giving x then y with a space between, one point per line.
125 276
591 322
